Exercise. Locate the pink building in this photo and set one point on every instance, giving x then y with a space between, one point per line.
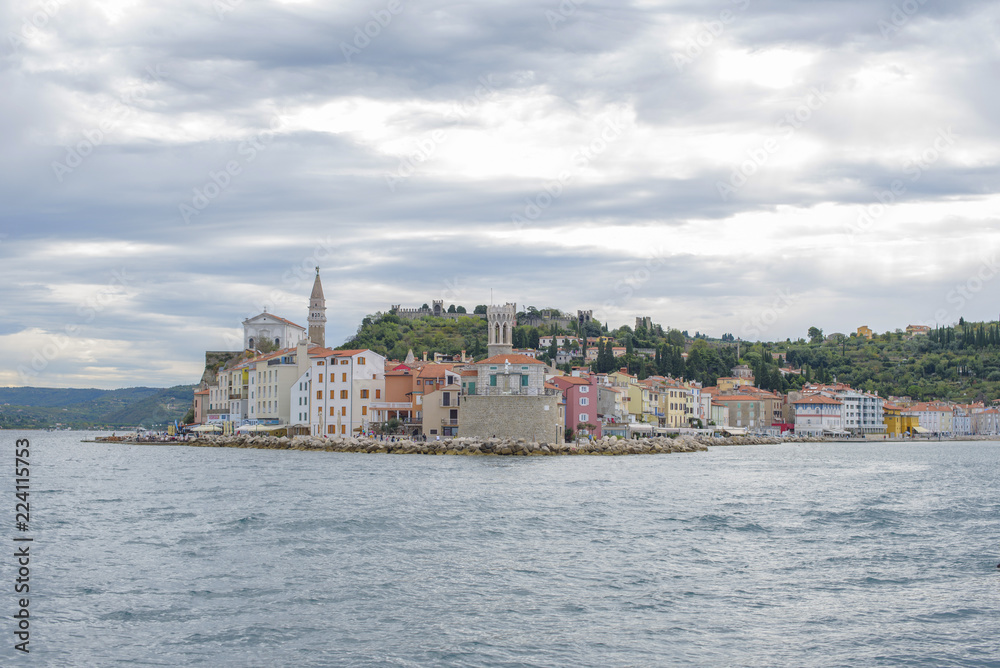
581 401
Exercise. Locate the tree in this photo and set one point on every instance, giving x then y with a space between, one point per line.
425 306
460 309
451 309
815 335
480 309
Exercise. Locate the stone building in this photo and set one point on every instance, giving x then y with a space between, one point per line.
508 399
436 310
501 321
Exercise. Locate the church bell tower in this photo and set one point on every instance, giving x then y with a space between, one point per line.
317 313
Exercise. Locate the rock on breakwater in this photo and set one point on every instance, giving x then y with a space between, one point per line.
492 446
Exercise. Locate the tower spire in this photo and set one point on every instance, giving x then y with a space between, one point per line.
317 313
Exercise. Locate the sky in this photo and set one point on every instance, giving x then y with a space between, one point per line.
751 167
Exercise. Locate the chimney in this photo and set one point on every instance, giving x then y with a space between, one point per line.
425 355
463 357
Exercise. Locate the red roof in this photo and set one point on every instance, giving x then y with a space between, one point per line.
512 358
817 399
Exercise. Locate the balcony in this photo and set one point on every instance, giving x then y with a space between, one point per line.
447 422
490 391
237 396
391 405
413 420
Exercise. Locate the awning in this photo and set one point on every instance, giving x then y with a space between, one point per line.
836 432
206 427
921 430
734 431
261 427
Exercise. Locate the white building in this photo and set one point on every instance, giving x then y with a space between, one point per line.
816 414
862 413
343 386
274 329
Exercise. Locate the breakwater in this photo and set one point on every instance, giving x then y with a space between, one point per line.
492 446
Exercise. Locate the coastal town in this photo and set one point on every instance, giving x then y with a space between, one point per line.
286 380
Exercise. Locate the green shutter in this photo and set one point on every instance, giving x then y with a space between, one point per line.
472 387
493 380
524 380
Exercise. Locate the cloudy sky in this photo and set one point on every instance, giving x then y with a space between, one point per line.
751 166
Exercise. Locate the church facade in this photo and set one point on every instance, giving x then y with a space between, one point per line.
269 329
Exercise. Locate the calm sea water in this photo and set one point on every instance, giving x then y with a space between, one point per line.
786 555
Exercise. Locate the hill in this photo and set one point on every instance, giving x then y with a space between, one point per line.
392 336
42 408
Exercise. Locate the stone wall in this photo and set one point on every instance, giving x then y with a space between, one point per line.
512 417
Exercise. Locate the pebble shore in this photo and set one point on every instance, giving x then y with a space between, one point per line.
492 446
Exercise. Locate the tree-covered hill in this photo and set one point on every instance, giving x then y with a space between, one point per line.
42 408
392 336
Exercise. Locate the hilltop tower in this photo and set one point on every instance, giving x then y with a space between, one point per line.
317 313
500 322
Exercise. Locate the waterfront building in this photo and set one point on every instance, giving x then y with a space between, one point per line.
581 400
275 330
509 399
439 396
818 414
745 411
344 386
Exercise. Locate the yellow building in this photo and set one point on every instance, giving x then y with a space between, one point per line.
865 331
897 424
730 383
631 393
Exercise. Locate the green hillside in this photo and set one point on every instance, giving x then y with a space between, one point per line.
43 408
960 363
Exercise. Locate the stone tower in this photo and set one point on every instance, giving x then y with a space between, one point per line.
317 313
500 322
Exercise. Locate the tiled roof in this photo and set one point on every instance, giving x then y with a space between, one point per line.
512 358
817 399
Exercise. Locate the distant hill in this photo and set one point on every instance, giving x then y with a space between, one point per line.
41 407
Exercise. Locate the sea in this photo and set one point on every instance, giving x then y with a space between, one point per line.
818 554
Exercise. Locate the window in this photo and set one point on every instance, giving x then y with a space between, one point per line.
320 363
345 361
584 401
378 394
344 379
343 410
329 429
364 410
343 394
584 417
319 394
584 390
524 380
343 429
493 380
364 394
332 409
418 382
361 360
321 378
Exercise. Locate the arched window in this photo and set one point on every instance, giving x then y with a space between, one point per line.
277 342
506 334
496 333
251 343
